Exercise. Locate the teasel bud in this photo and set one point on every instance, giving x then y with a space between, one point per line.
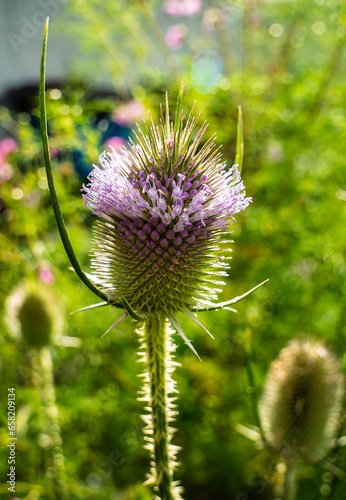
300 409
33 314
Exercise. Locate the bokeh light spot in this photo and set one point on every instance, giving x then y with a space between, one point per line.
276 30
224 83
319 27
64 109
206 71
17 193
55 93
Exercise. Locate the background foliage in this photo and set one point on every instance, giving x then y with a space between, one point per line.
284 64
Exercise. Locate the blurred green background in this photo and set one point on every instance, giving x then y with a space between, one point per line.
284 63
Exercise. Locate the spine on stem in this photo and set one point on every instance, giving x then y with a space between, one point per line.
158 392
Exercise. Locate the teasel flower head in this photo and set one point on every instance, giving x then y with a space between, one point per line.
300 409
163 207
33 314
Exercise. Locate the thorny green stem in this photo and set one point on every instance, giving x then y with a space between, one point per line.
56 457
157 348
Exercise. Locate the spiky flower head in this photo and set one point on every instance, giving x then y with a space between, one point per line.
163 206
33 314
300 409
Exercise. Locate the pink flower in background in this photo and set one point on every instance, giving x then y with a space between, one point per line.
7 146
46 275
128 113
54 151
6 171
116 143
178 8
175 35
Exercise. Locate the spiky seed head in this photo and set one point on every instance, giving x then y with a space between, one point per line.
300 409
33 314
163 206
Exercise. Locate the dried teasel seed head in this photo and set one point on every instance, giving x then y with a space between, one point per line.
300 408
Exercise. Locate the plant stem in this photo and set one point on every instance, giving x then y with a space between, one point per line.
157 348
52 423
251 380
290 486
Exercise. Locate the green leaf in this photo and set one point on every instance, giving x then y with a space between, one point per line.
239 155
53 195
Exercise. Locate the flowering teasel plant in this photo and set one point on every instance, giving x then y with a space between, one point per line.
163 206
